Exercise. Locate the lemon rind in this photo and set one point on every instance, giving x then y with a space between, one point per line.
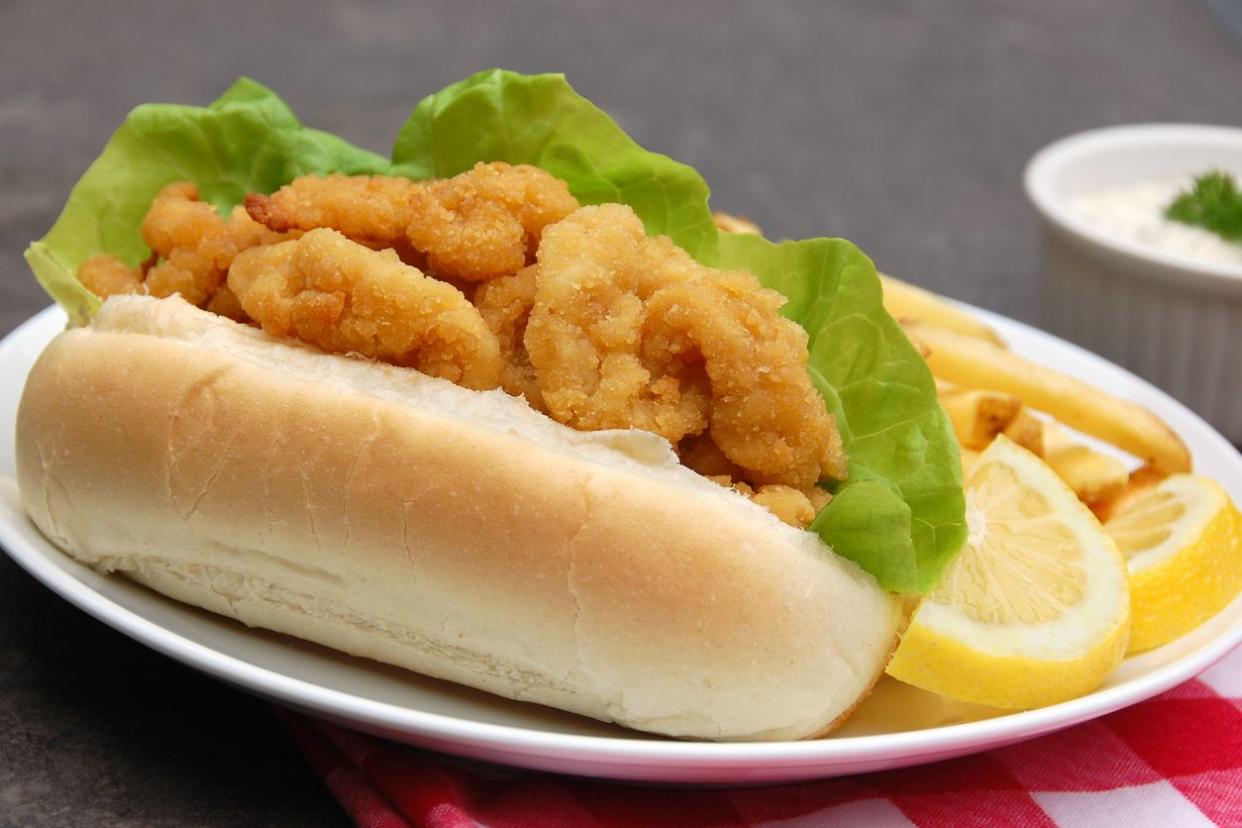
1175 596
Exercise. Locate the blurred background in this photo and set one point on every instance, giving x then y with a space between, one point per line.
902 125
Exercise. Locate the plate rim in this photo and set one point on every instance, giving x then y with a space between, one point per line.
516 741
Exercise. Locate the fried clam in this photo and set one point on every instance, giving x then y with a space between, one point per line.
628 330
192 248
346 298
371 209
766 416
106 275
595 273
476 226
505 304
486 222
192 242
797 507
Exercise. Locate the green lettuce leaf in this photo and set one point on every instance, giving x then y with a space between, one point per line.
900 514
246 141
497 115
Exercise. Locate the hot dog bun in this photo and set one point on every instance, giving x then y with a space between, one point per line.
453 532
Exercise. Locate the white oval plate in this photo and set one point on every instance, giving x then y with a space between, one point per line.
897 726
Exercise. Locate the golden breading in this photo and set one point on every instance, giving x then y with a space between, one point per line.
374 210
486 222
192 246
192 241
106 275
797 507
629 331
348 299
505 305
596 271
701 454
191 250
766 416
787 503
224 302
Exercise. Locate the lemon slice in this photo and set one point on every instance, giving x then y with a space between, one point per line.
1036 609
1182 540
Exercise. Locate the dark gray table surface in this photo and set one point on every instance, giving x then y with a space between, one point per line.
903 126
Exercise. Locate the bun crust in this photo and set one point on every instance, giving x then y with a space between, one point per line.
452 532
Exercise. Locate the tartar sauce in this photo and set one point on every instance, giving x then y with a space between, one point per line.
1136 212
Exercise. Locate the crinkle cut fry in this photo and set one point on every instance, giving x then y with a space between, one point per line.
629 331
348 299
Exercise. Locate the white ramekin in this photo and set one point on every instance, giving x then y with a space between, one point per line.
1174 320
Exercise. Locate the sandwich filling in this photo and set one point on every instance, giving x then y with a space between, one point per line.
497 277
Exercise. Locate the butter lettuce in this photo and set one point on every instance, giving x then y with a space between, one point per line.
246 141
539 119
900 514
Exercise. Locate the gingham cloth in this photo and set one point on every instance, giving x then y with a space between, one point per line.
1173 761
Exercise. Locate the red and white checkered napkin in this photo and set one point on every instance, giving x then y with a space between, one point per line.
1175 760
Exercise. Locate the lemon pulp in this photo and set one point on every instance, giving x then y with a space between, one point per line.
1182 541
1035 610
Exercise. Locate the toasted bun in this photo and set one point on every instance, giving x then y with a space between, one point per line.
456 533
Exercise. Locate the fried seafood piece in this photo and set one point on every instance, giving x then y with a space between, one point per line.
191 250
701 454
486 222
105 275
346 298
596 271
505 304
766 415
797 507
630 331
372 209
224 302
193 243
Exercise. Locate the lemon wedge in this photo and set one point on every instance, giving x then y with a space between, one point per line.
1036 609
1182 539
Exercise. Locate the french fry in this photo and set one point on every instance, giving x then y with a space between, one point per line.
735 224
1093 476
973 363
1144 477
1141 479
903 300
1030 432
978 416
